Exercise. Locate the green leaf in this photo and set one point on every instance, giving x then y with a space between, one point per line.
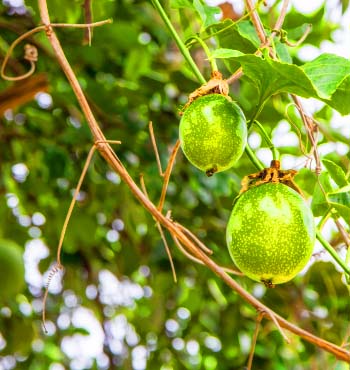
207 13
319 204
283 52
271 77
226 53
341 97
326 73
247 31
341 196
231 35
336 172
318 79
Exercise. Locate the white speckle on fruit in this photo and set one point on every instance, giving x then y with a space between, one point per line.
270 233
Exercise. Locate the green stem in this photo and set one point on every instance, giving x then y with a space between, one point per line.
275 153
212 60
184 51
333 253
257 112
347 263
254 158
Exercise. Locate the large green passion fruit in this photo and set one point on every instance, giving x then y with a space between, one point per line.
270 233
11 269
213 133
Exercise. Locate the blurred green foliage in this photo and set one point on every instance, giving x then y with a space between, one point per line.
115 263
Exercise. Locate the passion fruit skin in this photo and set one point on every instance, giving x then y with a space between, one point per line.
213 133
271 233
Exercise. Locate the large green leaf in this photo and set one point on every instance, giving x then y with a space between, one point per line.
247 31
241 35
323 78
326 73
271 77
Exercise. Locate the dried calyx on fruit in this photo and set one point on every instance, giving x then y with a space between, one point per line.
272 174
271 232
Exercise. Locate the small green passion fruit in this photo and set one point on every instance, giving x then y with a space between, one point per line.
270 233
213 133
11 269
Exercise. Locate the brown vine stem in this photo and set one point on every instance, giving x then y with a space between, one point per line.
255 337
155 148
31 32
189 256
167 174
88 19
282 16
195 239
311 129
161 232
107 153
256 20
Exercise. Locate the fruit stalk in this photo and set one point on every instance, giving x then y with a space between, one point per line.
254 159
214 67
275 154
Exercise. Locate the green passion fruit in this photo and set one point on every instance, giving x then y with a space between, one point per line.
271 233
11 269
213 133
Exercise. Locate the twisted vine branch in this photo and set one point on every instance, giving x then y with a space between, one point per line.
109 155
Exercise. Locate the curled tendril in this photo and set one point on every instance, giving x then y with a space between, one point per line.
55 269
284 36
31 52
